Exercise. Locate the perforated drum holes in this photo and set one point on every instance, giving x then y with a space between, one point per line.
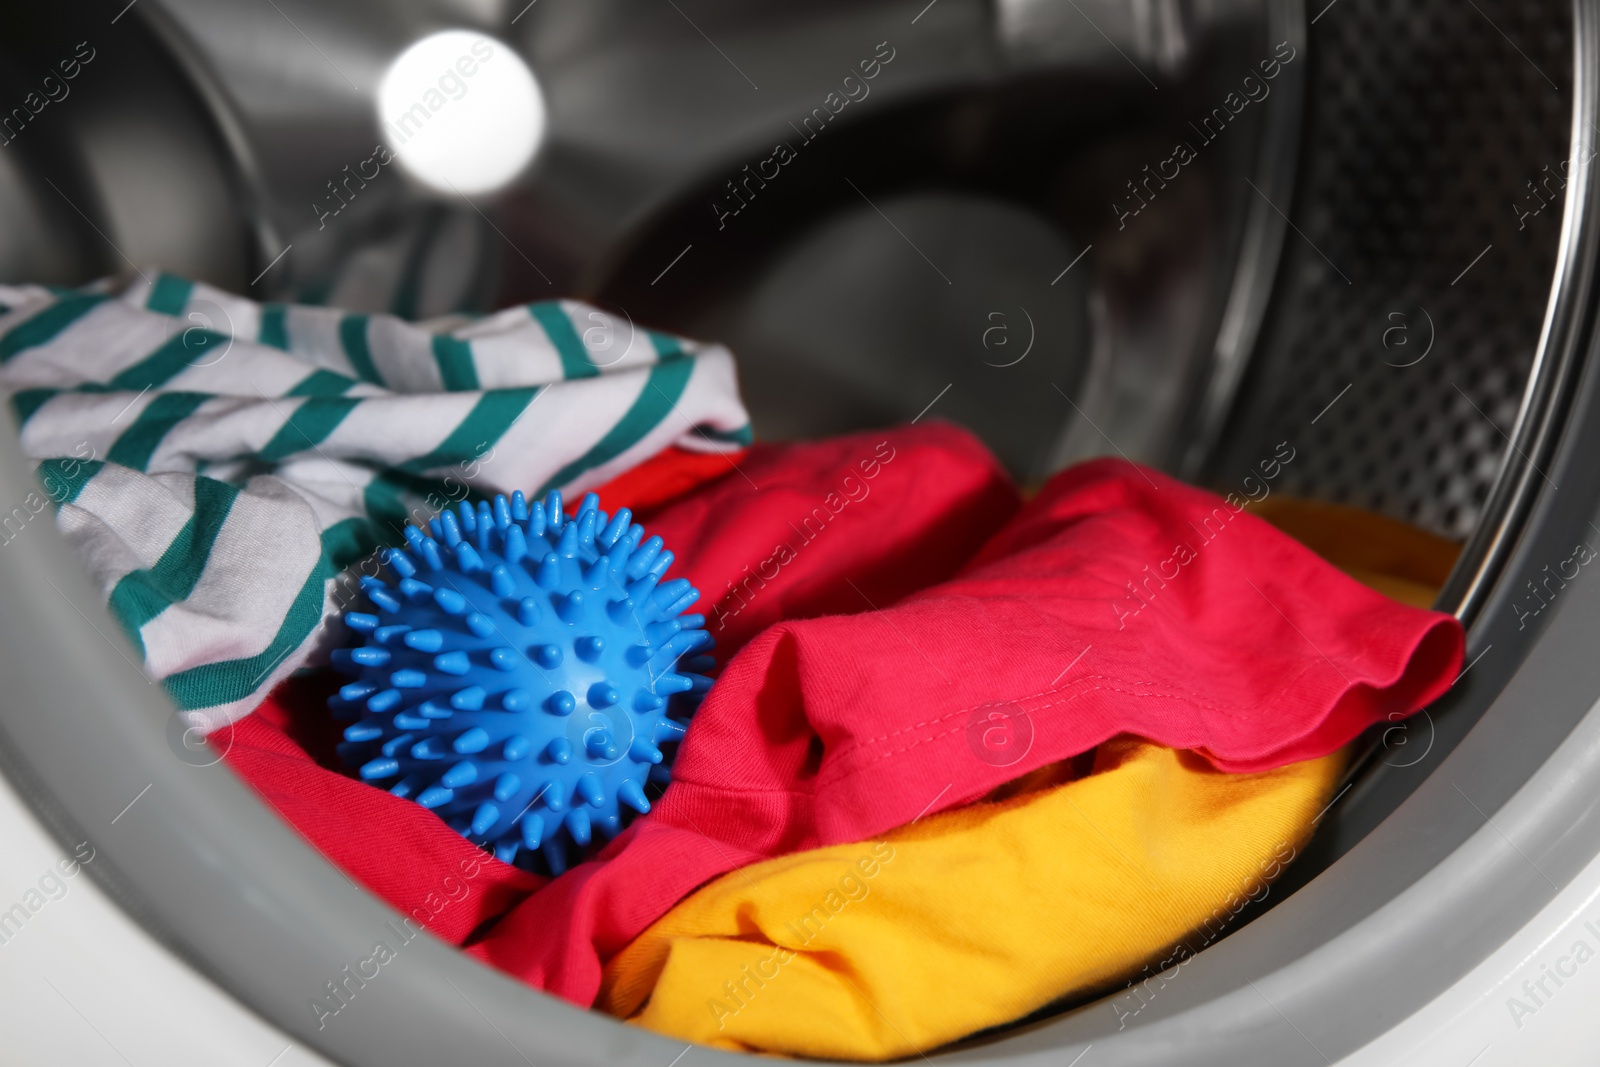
1423 126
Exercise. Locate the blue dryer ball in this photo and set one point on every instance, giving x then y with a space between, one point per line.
521 675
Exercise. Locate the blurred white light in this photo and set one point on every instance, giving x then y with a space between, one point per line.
461 111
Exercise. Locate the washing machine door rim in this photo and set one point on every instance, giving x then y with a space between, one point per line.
208 867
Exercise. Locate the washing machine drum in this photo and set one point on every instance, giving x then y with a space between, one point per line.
1183 232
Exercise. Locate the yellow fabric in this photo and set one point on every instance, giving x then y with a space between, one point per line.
1396 559
969 918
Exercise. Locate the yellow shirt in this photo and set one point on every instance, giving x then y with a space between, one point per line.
966 919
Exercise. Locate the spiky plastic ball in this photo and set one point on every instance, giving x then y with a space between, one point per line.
520 676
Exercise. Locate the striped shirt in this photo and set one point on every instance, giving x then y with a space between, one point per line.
219 464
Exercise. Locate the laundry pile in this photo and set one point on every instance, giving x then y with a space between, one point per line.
965 755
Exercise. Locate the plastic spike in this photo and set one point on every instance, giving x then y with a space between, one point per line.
577 824
385 600
555 856
435 796
519 506
506 851
644 751
436 529
528 611
561 703
414 590
638 655
404 720
430 710
628 543
659 633
559 750
590 790
360 621
600 745
506 786
501 582
590 502
547 656
621 611
615 528
504 659
667 592
383 700
516 545
469 516
467 559
462 774
663 561
357 691
679 645
423 640
449 528
603 695
473 740
453 663
484 818
682 603
554 797
431 555
429 748
639 563
468 699
536 520
642 590
515 748
363 731
595 577
450 602
585 527
644 700
673 683
660 774
413 537
516 700
568 545
480 625
407 678
400 563
630 793
388 635
552 510
379 768
589 648
549 573
570 607
532 828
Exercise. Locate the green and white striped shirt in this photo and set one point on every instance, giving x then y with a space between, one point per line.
218 464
